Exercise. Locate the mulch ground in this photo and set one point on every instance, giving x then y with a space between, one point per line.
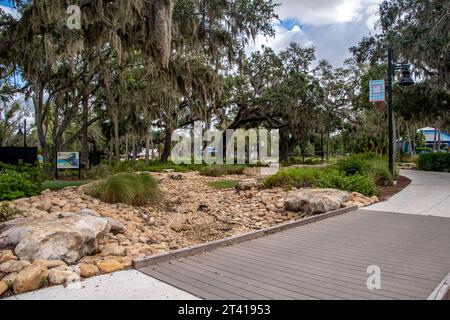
387 192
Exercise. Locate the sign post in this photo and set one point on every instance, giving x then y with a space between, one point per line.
68 160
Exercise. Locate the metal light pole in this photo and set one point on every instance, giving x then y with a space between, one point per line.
406 80
25 133
391 114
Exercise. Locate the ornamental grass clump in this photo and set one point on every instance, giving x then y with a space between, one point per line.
127 188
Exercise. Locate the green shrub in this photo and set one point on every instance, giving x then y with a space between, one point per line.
321 178
6 212
126 188
368 164
221 170
15 185
33 173
439 162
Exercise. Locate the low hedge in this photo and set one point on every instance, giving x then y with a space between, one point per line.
439 162
322 178
19 181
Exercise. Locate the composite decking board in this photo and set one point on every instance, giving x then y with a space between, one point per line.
252 291
416 258
315 269
324 260
274 281
351 259
358 277
344 290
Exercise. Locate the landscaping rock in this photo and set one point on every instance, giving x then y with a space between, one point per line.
315 201
50 264
112 250
87 270
62 275
116 226
7 255
247 184
13 266
3 287
176 176
31 278
50 238
10 279
109 266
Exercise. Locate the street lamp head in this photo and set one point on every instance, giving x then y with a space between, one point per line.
406 80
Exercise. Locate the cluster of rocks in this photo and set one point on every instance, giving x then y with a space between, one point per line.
49 250
67 235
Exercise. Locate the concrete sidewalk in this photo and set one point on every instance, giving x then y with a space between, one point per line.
124 285
428 194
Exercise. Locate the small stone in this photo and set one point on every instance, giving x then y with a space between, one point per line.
50 264
109 266
247 184
3 287
10 278
31 278
111 249
176 176
169 170
62 275
7 256
13 266
88 270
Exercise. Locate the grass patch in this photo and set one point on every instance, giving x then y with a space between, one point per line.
223 184
127 188
58 185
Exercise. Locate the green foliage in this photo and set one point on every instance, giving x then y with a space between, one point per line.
321 178
439 162
58 185
19 181
104 171
223 184
6 212
367 164
221 170
127 188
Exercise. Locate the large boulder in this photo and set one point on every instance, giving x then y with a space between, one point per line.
315 201
68 237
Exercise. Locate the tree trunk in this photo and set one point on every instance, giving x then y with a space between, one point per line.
167 146
439 146
84 132
435 141
147 148
127 148
115 120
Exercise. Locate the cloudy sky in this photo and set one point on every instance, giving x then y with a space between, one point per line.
332 26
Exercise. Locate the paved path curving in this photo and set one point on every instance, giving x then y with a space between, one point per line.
428 194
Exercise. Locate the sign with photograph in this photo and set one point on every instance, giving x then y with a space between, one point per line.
377 91
68 160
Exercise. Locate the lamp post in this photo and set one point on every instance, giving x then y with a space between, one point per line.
24 133
405 81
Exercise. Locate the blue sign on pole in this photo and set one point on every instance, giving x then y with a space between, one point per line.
377 91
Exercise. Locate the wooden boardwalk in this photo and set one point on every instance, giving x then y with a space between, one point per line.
323 260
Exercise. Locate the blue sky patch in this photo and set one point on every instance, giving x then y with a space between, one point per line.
291 23
7 3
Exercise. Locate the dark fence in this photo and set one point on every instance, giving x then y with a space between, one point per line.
14 156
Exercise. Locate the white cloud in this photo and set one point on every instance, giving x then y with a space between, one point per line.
323 12
282 39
